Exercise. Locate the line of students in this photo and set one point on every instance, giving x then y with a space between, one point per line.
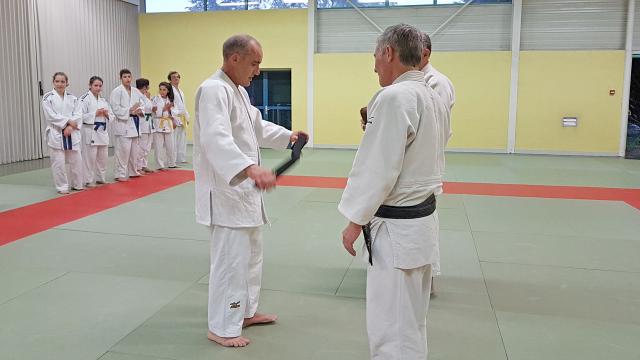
78 129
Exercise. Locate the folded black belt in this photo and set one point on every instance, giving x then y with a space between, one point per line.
424 209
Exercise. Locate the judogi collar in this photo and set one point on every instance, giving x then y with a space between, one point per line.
412 75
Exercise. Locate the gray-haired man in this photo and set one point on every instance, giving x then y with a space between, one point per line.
390 195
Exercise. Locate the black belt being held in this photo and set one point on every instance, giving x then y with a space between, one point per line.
424 209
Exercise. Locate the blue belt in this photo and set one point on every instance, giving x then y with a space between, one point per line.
136 120
67 143
98 124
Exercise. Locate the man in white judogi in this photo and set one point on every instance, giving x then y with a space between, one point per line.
127 104
228 134
444 87
397 169
180 118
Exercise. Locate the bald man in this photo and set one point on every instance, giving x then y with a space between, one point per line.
229 180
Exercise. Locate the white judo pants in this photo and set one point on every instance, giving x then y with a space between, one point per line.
58 160
94 158
234 279
144 149
126 155
397 304
163 143
180 136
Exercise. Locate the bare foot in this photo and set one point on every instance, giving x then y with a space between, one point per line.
228 342
259 319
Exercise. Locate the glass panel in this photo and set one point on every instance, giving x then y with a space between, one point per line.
157 6
279 88
410 2
255 90
277 4
326 4
218 5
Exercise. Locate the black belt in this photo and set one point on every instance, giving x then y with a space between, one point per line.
296 153
424 209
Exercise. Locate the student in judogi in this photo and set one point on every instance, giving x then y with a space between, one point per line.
127 104
97 118
390 197
444 88
163 141
229 181
63 115
146 127
180 117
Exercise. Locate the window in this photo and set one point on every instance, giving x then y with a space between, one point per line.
271 94
328 4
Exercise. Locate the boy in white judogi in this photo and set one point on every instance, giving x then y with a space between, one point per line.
146 127
127 104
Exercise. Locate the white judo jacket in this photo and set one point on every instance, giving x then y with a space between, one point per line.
146 124
398 164
90 104
228 134
179 107
57 112
158 124
121 102
444 87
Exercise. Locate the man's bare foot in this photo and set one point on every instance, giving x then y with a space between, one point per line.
239 341
259 319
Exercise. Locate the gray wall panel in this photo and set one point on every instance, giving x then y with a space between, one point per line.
20 124
95 37
573 24
478 27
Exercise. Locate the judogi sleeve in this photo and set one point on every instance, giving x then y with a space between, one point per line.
216 137
379 158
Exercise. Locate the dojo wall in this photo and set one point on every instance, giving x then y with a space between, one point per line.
344 82
552 84
191 43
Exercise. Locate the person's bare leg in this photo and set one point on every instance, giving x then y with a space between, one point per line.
259 318
433 286
239 341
